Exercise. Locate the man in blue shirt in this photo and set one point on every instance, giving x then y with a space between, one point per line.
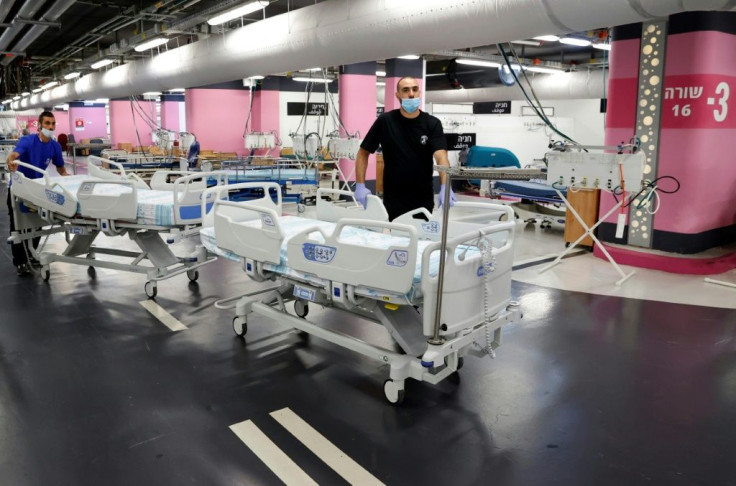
193 155
38 150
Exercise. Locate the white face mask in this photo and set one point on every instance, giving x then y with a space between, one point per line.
47 133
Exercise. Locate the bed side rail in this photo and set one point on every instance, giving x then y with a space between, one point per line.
357 259
221 192
334 210
249 230
44 193
114 200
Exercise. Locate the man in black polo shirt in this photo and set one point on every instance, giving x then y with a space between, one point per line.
410 139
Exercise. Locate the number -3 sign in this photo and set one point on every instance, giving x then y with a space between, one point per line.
459 141
698 101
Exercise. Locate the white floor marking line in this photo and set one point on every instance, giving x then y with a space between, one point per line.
271 455
159 313
343 465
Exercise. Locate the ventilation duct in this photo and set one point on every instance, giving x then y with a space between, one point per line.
563 86
51 15
339 32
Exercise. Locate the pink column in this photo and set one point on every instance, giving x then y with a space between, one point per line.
697 134
87 120
170 107
266 110
133 127
623 79
397 69
62 122
216 115
358 109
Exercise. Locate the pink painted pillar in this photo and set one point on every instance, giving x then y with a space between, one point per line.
87 120
216 115
170 108
62 122
694 142
623 79
266 115
357 109
131 127
397 69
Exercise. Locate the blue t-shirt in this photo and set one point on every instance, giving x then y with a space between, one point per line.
33 151
193 154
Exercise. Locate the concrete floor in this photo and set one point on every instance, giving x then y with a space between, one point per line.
607 387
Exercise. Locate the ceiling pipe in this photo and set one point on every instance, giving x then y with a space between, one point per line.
339 32
579 85
51 15
27 10
5 8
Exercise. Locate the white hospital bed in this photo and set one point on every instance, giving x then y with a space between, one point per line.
378 270
102 202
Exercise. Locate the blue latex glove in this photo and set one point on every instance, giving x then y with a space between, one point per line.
453 199
361 192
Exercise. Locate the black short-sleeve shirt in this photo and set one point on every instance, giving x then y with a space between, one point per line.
408 147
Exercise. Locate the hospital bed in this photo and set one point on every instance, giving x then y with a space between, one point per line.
379 270
101 202
298 182
538 201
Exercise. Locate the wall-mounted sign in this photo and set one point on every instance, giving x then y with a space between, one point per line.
459 141
492 108
380 110
296 108
79 122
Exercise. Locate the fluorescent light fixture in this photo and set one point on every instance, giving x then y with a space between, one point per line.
50 84
411 57
25 93
65 106
16 98
7 102
313 69
527 43
101 100
381 73
380 83
257 76
478 62
547 38
37 90
236 12
151 44
152 93
575 41
602 46
102 63
542 69
73 75
312 80
177 90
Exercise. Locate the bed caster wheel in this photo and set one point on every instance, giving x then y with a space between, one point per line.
300 208
460 362
301 308
45 273
151 289
91 272
240 326
193 275
394 394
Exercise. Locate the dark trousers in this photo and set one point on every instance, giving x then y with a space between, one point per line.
18 249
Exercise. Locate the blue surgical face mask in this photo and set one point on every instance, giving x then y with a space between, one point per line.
410 105
47 133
